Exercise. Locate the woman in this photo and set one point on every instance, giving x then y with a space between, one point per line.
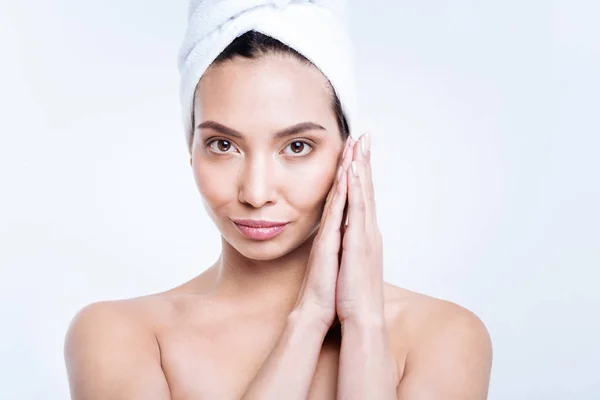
296 306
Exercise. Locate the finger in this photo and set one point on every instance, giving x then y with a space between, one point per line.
333 221
333 186
344 219
335 182
368 186
347 159
356 199
330 196
346 164
362 160
347 144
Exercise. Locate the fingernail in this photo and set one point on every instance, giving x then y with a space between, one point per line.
354 168
362 145
339 174
365 143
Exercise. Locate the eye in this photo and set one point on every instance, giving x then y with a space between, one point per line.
299 148
220 146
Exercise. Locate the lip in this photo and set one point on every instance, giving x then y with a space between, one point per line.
259 230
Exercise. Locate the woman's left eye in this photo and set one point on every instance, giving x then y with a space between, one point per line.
299 148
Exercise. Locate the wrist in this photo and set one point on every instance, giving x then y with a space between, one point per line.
311 318
364 322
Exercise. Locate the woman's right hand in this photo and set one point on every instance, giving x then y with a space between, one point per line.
316 299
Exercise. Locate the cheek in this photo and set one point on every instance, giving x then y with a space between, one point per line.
310 188
214 184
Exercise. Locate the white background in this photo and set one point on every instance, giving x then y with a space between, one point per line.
486 134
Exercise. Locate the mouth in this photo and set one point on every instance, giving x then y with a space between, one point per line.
259 230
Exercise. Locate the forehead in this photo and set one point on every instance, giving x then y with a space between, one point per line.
262 93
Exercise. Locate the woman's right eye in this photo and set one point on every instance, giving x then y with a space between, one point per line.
220 146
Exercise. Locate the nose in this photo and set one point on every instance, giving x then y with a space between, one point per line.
257 182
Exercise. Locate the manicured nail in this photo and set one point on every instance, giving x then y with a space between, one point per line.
362 145
365 144
354 168
339 174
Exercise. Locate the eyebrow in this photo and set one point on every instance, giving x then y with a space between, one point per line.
292 130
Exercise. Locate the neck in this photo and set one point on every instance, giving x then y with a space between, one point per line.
263 285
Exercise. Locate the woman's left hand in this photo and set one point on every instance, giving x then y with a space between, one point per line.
359 296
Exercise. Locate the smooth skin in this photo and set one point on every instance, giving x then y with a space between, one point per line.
303 315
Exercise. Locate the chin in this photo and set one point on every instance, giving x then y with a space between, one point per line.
259 251
266 250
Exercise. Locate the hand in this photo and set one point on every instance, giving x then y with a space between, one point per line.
360 280
317 293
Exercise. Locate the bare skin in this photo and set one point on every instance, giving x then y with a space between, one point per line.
194 345
244 328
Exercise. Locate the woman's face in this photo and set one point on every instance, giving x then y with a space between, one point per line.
266 147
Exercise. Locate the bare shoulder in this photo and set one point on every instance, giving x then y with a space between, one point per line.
424 316
447 348
111 352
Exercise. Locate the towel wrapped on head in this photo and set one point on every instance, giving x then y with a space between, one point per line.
317 29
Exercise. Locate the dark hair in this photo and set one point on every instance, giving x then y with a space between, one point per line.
253 45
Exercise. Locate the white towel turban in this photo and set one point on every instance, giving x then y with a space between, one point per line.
317 29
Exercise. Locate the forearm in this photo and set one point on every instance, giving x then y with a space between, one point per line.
288 371
366 369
